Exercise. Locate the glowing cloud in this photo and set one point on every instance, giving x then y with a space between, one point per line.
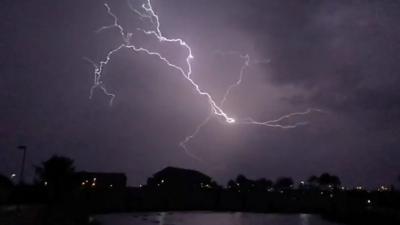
146 12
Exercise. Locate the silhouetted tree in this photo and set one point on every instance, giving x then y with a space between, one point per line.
57 175
243 183
263 184
324 181
284 183
313 181
241 179
231 184
327 179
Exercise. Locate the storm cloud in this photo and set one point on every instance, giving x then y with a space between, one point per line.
339 56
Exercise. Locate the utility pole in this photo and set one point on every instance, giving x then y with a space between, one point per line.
21 176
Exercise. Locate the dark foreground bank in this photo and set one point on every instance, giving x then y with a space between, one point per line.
351 207
62 196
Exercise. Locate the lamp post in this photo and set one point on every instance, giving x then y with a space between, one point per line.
21 176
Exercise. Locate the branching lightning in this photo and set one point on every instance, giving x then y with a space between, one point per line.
146 12
246 63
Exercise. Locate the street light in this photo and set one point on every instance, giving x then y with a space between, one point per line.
21 177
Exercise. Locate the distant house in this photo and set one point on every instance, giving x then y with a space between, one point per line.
180 179
101 180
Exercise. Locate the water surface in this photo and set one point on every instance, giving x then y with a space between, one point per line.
210 218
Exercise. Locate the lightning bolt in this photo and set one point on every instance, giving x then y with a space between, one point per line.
146 12
246 63
274 123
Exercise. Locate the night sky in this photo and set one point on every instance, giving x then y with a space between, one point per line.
339 56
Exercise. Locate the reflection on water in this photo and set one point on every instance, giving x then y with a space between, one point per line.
210 218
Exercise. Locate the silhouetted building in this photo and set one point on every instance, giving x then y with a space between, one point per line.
101 180
181 179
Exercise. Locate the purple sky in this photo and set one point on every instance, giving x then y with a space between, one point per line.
340 56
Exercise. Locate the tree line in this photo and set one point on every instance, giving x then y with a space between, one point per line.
57 173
